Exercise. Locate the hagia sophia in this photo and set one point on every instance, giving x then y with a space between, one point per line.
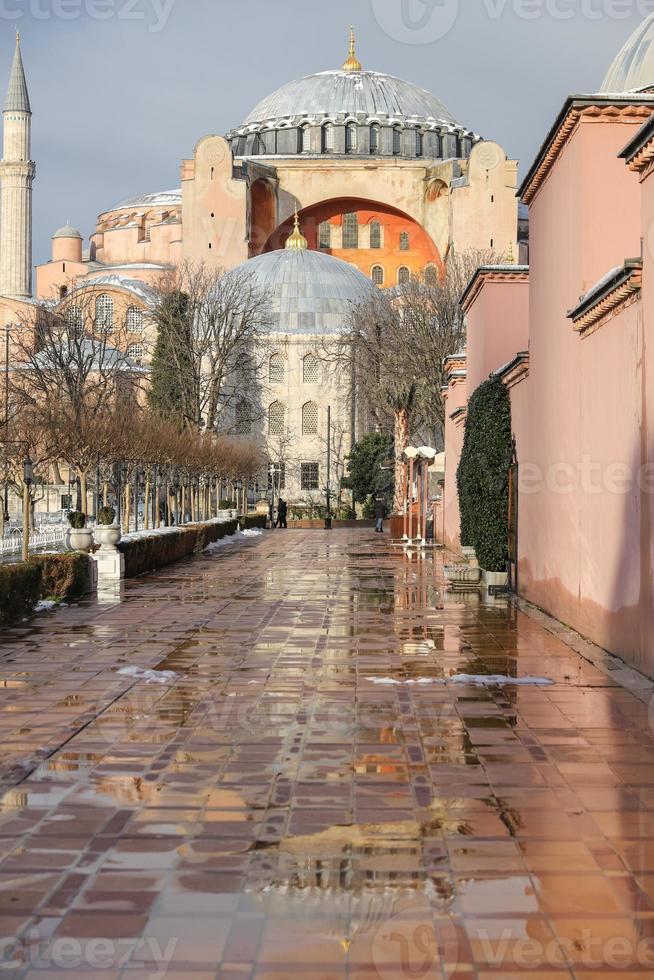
384 182
351 180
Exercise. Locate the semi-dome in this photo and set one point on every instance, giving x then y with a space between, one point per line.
308 292
351 111
633 68
154 199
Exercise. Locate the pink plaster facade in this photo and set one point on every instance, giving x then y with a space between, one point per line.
582 412
497 320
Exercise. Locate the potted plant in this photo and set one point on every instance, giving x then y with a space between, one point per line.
107 533
80 537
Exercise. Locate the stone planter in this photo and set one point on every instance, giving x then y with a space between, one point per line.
470 556
495 579
462 578
107 536
80 539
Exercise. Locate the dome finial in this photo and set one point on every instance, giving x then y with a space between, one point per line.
352 63
296 239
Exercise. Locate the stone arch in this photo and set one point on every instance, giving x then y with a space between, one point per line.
263 213
422 251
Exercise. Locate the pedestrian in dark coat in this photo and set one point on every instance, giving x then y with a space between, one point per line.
282 513
380 514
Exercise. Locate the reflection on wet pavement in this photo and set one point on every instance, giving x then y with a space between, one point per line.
272 810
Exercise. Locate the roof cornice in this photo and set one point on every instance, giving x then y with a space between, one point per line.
639 151
491 273
611 294
627 108
515 371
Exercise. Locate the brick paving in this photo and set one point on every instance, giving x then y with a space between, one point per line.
306 797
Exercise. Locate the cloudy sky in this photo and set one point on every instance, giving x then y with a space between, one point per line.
122 89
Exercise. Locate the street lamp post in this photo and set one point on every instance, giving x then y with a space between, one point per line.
273 472
28 479
328 515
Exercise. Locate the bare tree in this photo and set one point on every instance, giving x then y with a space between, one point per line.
210 326
397 343
70 374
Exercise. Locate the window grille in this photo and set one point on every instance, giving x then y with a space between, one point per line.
310 476
277 419
310 419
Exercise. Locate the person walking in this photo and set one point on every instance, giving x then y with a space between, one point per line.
380 514
282 513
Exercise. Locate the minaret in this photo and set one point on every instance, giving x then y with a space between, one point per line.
16 173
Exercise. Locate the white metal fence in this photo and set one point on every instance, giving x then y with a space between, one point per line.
47 536
40 540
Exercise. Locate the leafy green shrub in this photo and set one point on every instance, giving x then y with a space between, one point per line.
252 521
20 590
483 475
63 576
369 508
365 474
106 516
76 519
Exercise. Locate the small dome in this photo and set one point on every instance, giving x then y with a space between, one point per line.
308 292
633 68
67 232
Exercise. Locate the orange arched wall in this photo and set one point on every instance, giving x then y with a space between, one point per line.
421 252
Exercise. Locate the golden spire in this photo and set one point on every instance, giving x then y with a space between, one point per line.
352 63
296 239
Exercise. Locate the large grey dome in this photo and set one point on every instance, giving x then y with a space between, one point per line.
308 292
633 68
330 93
352 111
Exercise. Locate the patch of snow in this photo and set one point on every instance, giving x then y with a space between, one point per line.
233 539
484 680
149 676
47 605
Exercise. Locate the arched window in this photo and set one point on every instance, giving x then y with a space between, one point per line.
306 139
63 292
397 141
311 370
325 235
328 138
134 320
350 230
377 275
75 317
375 235
277 419
104 312
403 276
374 138
243 418
351 138
418 143
276 372
309 419
135 352
431 276
404 241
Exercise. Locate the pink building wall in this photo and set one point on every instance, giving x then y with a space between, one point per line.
581 538
456 398
497 324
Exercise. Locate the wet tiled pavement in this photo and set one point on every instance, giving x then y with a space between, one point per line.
306 798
